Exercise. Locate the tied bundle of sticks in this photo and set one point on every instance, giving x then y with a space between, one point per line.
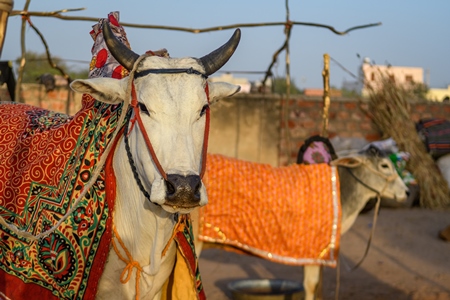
389 109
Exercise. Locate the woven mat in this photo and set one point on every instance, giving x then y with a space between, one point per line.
288 214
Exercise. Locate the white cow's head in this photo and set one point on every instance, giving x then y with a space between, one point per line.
173 105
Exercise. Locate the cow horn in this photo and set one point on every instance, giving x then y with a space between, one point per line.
121 53
216 59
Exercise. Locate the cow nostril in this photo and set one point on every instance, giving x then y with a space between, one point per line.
197 187
183 188
195 183
171 189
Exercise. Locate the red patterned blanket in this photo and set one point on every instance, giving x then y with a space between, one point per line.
288 214
46 159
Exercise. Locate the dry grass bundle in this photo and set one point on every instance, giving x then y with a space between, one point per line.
390 111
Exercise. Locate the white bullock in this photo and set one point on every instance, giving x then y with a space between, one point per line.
362 177
173 104
165 148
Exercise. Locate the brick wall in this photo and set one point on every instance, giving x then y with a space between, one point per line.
251 126
347 118
56 100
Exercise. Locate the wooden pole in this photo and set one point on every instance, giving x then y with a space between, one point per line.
326 93
23 51
287 31
5 9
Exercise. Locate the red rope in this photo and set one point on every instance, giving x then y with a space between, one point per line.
206 136
137 116
134 104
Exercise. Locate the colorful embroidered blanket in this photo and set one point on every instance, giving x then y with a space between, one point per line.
46 158
185 281
288 214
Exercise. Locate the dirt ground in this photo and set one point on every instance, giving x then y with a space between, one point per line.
407 261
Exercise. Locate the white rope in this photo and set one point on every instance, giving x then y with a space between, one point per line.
3 296
95 174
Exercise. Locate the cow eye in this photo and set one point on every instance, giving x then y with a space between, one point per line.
204 109
143 108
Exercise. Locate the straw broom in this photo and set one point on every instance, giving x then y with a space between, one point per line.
390 111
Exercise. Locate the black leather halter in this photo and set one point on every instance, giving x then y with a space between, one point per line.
169 71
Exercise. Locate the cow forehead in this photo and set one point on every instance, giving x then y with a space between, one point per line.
156 62
163 90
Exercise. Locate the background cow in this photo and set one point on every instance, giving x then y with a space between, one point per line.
362 177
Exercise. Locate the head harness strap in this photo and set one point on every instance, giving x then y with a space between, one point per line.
135 107
169 71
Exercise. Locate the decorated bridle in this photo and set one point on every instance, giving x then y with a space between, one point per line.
134 107
130 61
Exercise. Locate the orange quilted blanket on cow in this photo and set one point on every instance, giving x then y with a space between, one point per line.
287 214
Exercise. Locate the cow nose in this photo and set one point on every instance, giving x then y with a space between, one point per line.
183 190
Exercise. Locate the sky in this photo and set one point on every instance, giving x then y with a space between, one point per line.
413 33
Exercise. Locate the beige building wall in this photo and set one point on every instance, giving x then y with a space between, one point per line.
242 82
403 76
439 94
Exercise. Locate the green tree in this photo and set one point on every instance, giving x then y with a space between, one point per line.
349 93
38 64
419 90
279 86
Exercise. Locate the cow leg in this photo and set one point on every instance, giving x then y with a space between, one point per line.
311 278
319 287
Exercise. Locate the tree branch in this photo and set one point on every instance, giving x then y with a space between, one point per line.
57 14
49 57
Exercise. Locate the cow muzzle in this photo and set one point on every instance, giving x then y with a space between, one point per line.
182 192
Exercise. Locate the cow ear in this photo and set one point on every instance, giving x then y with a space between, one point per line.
107 90
219 90
349 161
